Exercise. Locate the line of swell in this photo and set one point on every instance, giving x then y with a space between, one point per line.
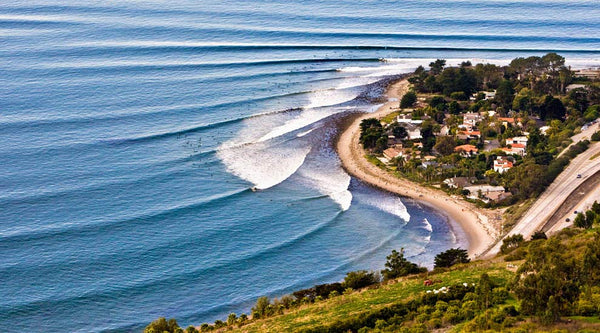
168 109
186 66
140 178
173 279
173 246
80 229
193 129
267 47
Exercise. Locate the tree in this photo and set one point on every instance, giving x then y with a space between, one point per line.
454 107
191 329
445 145
231 319
522 101
399 131
370 132
437 66
547 283
262 308
408 100
539 235
162 325
581 221
511 242
505 93
397 266
484 292
360 279
596 207
451 257
553 108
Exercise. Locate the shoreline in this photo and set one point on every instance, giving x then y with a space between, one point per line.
475 222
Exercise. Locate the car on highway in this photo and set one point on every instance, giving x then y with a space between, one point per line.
579 176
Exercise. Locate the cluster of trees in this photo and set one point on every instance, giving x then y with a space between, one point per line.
589 218
462 81
556 280
374 137
162 325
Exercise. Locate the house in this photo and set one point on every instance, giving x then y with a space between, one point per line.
414 131
516 149
502 164
486 193
393 141
517 140
458 182
466 150
498 196
471 118
392 153
575 86
588 73
508 120
489 95
544 129
468 135
407 119
444 130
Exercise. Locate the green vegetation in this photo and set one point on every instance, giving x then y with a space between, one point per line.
408 100
397 266
372 135
451 257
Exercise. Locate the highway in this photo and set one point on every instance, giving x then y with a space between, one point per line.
554 196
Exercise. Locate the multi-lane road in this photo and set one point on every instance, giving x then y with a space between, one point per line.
575 174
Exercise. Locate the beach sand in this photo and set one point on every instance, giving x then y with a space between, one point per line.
480 226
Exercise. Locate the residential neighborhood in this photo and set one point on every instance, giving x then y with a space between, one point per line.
487 139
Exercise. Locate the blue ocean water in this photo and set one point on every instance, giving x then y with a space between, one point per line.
132 133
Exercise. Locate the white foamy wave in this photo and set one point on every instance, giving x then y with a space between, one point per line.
427 226
263 165
322 170
389 204
328 97
307 117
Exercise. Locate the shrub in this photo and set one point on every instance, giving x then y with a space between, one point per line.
162 325
459 96
510 243
261 309
360 279
408 99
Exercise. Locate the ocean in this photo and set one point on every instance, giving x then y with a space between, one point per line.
175 158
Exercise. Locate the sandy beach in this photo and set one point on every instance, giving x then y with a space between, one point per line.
477 223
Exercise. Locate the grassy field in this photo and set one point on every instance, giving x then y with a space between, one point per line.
314 315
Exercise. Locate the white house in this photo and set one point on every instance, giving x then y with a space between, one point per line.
502 164
522 140
407 119
516 149
471 118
